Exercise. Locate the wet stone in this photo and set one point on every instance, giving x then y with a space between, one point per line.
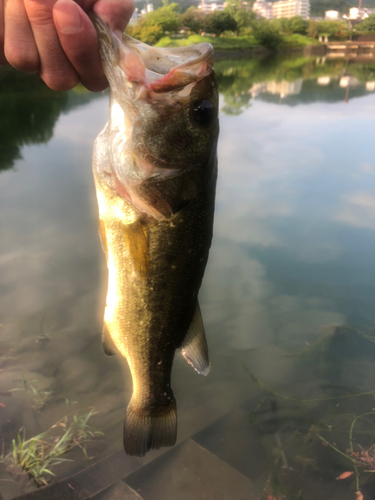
77 375
119 491
8 487
190 471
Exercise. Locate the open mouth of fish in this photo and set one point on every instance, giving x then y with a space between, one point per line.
153 69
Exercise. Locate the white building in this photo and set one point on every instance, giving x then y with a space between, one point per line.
359 14
291 8
210 6
263 8
332 15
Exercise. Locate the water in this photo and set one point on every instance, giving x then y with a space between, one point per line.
287 299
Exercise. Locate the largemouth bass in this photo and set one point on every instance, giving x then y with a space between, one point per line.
155 169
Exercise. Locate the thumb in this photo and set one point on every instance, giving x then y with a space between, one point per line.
116 13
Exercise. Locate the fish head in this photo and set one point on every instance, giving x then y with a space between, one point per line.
164 114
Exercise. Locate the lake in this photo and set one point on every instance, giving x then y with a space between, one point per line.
287 300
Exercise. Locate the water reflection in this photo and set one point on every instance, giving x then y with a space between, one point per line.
29 112
288 297
292 81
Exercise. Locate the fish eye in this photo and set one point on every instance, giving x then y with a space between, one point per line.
204 112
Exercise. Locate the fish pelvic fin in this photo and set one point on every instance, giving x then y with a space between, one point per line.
148 429
108 345
194 346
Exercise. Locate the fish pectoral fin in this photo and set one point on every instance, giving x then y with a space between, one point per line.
135 239
108 345
194 346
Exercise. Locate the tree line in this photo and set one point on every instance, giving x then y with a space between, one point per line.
237 21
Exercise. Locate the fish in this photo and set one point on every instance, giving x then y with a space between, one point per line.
155 171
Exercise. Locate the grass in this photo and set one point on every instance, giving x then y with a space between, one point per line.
36 456
296 40
235 43
37 397
225 43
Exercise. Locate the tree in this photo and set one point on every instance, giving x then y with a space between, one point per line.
193 19
266 34
334 29
167 17
312 30
367 24
155 24
147 34
218 22
244 17
298 25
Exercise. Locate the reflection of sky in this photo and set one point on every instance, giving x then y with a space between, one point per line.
295 211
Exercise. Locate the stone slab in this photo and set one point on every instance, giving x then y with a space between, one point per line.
190 471
119 491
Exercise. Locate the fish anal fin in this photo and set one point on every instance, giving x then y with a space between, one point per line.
136 242
194 346
108 345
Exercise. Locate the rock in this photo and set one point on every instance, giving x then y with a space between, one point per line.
77 375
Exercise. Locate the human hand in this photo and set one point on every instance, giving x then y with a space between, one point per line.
57 39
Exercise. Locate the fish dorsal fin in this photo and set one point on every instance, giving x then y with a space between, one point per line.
108 345
136 242
194 347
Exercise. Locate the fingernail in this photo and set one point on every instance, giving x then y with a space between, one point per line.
67 16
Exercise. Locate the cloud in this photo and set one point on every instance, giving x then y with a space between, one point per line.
357 209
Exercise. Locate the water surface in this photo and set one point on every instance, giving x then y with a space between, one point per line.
288 296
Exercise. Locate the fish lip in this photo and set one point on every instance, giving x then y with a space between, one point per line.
166 69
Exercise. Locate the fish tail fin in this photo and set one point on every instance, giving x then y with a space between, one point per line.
148 428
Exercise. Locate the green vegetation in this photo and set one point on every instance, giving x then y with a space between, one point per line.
368 24
238 43
36 456
237 27
37 397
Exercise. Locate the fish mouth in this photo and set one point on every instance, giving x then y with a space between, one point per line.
158 69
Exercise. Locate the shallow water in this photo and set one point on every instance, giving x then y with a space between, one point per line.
288 296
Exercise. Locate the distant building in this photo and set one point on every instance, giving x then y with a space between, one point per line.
208 7
358 14
282 88
291 8
332 15
149 8
136 15
263 8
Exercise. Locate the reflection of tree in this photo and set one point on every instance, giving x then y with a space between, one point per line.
29 111
237 77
